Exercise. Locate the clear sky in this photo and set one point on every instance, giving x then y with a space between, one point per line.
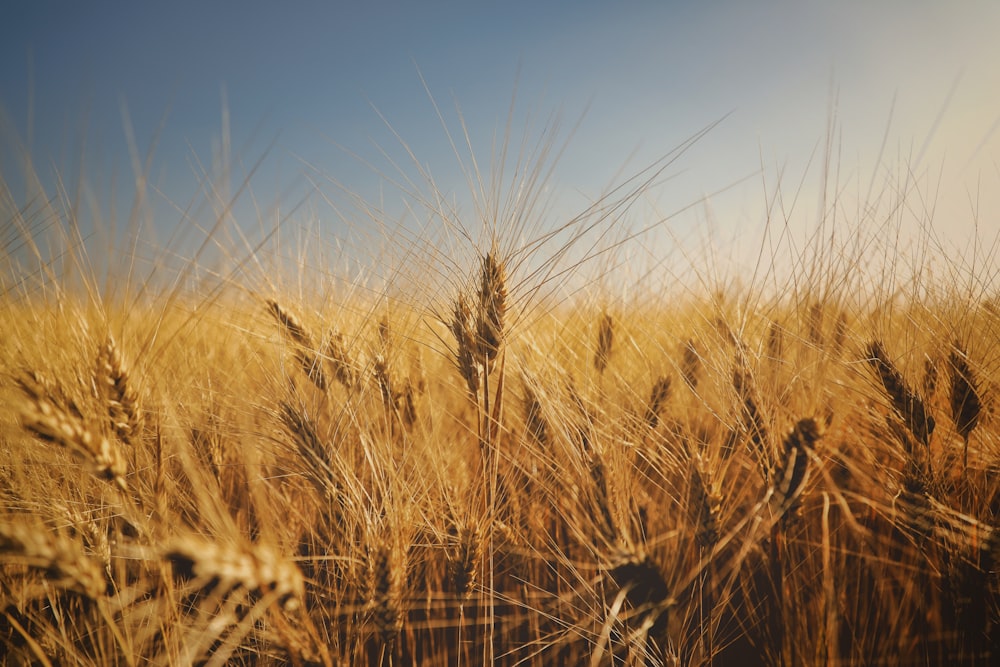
911 89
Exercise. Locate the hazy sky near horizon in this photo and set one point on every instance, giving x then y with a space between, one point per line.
911 90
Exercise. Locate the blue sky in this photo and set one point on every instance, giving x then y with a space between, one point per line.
917 83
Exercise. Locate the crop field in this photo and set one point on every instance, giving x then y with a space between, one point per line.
492 455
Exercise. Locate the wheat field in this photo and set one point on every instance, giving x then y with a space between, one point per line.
474 463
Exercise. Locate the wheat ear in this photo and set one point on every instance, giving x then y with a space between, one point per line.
61 422
966 405
119 393
386 575
691 365
751 419
605 341
340 359
906 402
657 397
306 352
704 503
258 568
463 565
492 309
465 339
64 561
313 451
535 423
791 475
643 584
814 324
